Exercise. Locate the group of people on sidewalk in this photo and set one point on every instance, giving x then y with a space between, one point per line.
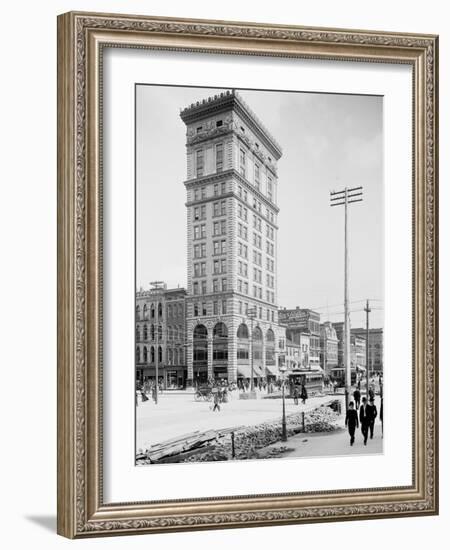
366 418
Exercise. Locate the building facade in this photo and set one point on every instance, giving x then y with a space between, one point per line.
328 348
297 354
160 336
231 188
300 321
375 347
357 354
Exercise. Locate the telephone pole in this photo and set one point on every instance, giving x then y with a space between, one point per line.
344 198
367 310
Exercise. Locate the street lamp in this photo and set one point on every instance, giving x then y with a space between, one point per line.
283 369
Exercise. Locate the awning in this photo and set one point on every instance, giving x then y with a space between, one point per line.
246 371
273 370
316 368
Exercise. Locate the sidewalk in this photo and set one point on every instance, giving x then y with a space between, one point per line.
335 443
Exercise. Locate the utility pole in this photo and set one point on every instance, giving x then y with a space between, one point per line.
367 310
339 198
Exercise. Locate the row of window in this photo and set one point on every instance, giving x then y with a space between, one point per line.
174 310
200 287
148 312
200 160
218 307
256 174
173 356
242 193
174 332
200 193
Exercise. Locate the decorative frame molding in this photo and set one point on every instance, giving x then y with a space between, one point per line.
81 37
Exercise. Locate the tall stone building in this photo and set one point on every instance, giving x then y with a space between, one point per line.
232 211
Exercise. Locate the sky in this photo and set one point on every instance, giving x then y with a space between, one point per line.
329 142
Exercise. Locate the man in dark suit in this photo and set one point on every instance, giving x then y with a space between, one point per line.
371 407
364 419
351 421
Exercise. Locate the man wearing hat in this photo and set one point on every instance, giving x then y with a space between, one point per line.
371 411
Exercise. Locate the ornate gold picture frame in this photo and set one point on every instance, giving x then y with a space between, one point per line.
82 38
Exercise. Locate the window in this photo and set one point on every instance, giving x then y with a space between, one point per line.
195 287
216 267
223 246
196 310
223 227
216 247
203 250
219 157
245 288
239 285
224 306
215 209
199 161
257 176
215 308
240 308
215 285
269 188
216 189
204 310
219 123
223 265
203 212
223 207
203 287
242 161
224 285
223 188
203 190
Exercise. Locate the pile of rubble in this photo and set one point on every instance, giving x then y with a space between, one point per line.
218 445
250 439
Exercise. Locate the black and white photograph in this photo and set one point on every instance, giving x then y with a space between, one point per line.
259 274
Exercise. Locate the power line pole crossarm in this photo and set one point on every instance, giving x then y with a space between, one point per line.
344 198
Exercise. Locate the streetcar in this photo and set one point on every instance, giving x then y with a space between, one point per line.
311 379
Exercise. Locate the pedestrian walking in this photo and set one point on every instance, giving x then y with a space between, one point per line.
364 419
216 400
372 412
351 421
357 398
304 394
371 394
296 394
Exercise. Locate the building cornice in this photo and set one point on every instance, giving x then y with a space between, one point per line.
231 101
